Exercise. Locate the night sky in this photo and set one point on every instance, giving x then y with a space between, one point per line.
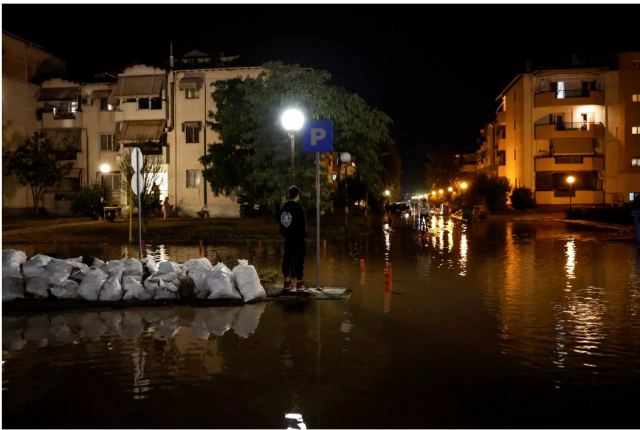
434 69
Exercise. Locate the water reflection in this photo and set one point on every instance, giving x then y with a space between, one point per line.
77 328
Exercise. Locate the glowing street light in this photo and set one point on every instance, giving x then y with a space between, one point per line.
105 168
570 181
433 193
387 193
440 191
292 121
450 189
464 185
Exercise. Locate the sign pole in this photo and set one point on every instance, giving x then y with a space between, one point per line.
318 220
139 221
130 215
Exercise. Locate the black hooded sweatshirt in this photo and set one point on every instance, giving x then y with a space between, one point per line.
292 222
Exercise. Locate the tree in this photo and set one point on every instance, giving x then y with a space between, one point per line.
34 163
152 171
87 200
492 189
254 155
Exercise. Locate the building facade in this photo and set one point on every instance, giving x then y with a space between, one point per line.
578 122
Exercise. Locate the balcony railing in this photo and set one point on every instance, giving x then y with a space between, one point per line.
568 97
569 130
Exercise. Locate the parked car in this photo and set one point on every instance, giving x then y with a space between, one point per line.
400 208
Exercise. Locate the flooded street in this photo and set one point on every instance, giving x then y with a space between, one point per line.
496 324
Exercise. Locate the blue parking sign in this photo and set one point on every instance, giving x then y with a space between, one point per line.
318 137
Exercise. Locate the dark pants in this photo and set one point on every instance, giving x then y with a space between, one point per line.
293 259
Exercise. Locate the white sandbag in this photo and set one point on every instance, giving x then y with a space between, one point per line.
248 282
97 263
13 256
199 281
113 267
57 271
132 267
12 288
38 286
112 289
152 285
197 264
164 294
133 289
92 284
68 290
74 260
168 267
149 264
79 271
248 319
35 266
168 286
12 270
220 283
167 277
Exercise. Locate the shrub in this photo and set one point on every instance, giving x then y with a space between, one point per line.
493 189
86 202
522 198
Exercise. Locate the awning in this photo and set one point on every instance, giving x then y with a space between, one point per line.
139 86
191 82
572 146
58 94
139 131
65 139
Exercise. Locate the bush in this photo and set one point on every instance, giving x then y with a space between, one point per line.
86 202
493 190
522 198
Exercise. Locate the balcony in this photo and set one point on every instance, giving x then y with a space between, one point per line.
61 119
129 112
568 98
569 163
569 130
501 117
561 197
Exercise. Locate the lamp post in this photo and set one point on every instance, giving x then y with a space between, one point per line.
570 181
292 121
345 159
464 185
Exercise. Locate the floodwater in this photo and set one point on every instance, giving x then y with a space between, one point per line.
498 324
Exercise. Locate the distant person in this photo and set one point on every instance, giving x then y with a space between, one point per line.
101 207
166 208
424 211
293 228
155 190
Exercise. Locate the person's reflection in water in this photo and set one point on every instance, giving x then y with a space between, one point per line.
293 350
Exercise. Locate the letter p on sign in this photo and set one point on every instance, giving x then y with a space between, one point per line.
318 137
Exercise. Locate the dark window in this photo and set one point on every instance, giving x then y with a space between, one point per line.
143 103
150 103
193 178
501 158
104 104
192 132
156 103
108 143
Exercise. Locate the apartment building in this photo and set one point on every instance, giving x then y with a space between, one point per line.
574 121
162 111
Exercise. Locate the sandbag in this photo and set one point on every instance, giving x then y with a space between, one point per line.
92 284
133 289
12 287
248 282
113 267
165 294
221 284
35 265
248 319
132 267
97 263
152 285
12 256
149 264
68 290
198 264
112 289
57 271
38 286
201 288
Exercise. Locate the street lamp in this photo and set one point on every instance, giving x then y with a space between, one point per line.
345 159
464 185
105 168
570 181
441 191
292 121
450 189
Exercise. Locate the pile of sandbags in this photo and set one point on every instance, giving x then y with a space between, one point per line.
126 279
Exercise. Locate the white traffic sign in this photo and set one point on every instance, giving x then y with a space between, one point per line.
136 180
137 160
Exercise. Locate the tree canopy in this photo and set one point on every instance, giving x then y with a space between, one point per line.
35 164
254 154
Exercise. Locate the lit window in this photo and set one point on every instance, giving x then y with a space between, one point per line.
635 162
104 104
108 143
635 129
560 93
193 178
191 93
635 98
632 196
